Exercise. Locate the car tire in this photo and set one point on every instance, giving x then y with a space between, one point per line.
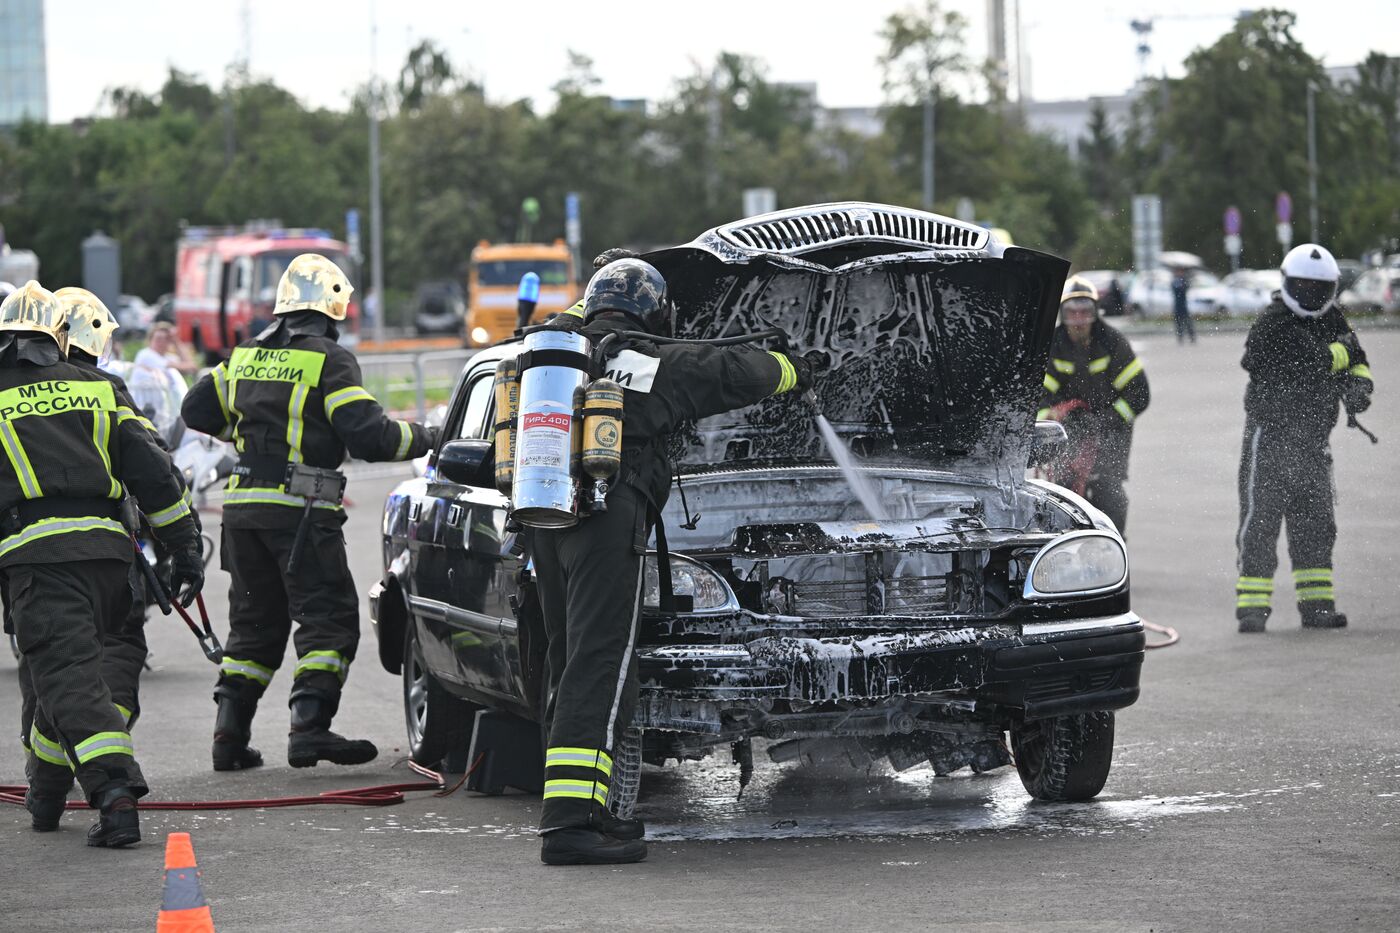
1064 758
437 721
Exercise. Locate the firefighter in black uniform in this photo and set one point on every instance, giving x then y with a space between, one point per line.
1096 387
292 395
71 446
1303 360
590 576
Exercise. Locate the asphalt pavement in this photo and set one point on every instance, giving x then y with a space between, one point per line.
1256 785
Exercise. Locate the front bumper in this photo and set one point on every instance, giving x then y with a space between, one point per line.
1040 668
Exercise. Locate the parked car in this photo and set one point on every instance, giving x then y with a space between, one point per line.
1103 279
1248 291
1150 295
1351 270
439 308
1375 290
133 315
983 603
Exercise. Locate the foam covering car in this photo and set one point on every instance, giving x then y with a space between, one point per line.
982 617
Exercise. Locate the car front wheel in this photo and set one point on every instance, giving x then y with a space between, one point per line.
437 721
1065 757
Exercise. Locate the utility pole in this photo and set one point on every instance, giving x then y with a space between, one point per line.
928 144
376 214
1312 163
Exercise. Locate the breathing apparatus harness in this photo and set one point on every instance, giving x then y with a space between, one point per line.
546 451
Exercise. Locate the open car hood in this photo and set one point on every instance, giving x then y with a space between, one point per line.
936 354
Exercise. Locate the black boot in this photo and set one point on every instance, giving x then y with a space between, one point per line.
311 739
582 846
233 727
44 811
119 825
608 823
1252 619
1315 616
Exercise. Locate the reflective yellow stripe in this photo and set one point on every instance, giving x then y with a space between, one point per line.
332 661
295 403
579 758
1042 414
1124 409
169 516
1064 366
126 713
101 437
56 397
234 422
1126 376
220 376
406 440
250 669
1340 357
1100 364
1256 584
1361 371
125 414
345 396
1313 574
48 527
1248 600
787 373
271 364
577 309
19 460
1052 384
586 790
1314 594
104 743
269 497
46 749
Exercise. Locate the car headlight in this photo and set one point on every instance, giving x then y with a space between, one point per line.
480 334
1079 563
690 578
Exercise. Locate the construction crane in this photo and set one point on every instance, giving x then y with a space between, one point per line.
1143 29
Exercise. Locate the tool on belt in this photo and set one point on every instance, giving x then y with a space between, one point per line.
208 641
314 484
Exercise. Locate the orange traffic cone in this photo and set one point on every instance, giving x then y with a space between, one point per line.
182 909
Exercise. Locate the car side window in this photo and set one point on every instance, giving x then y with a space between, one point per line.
478 401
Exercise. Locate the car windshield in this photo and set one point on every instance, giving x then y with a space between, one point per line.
498 272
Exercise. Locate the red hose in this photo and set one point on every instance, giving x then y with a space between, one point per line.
382 795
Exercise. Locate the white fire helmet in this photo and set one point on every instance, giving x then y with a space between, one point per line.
1310 276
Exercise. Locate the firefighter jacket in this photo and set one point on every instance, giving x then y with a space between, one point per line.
1300 369
293 395
666 385
1106 375
71 443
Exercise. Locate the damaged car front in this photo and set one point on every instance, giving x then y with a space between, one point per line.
964 603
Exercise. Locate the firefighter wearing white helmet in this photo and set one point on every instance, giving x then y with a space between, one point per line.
1304 362
73 446
294 402
1096 387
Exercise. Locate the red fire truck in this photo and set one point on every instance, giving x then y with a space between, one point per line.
226 280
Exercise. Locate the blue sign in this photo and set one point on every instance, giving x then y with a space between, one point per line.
1232 221
571 206
352 223
529 288
1283 207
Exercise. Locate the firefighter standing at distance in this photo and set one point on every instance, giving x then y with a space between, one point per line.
1303 360
1095 385
590 576
292 396
71 446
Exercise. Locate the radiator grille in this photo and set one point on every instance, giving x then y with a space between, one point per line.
797 232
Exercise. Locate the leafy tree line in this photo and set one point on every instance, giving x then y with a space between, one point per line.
456 165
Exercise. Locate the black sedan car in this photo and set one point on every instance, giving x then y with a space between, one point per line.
967 604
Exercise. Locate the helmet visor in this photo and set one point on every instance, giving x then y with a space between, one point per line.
1311 294
1080 309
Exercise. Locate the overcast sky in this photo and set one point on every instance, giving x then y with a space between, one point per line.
320 49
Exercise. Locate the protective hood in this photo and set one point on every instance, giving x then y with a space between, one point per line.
933 354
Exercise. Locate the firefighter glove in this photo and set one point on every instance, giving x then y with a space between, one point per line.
187 573
613 255
806 378
1357 395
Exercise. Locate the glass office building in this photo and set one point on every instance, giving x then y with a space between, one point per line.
24 86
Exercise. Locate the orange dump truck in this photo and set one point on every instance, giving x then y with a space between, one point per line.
494 284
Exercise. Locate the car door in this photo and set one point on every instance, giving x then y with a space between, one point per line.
473 568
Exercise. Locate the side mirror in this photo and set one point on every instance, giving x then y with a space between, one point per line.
468 462
1050 436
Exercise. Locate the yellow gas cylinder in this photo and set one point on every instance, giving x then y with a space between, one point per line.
507 411
602 429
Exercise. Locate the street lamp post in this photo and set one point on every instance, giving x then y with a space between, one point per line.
928 146
376 214
1312 162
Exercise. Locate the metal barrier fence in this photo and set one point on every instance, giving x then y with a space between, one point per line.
413 382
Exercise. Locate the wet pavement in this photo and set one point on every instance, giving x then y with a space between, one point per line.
1255 786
